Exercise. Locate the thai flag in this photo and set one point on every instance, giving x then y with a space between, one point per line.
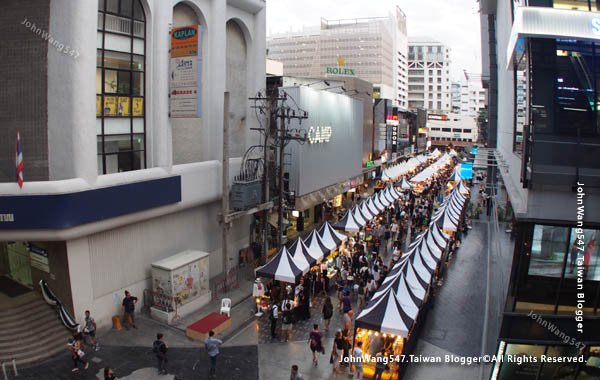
19 162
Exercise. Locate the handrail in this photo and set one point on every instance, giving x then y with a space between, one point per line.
162 302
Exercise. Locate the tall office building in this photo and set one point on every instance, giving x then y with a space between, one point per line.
429 75
472 97
373 49
540 64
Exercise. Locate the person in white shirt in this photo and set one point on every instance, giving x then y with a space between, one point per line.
358 365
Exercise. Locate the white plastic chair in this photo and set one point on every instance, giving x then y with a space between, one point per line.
226 306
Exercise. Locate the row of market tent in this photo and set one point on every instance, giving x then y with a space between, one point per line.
395 306
292 262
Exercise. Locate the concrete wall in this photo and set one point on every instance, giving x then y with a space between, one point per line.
506 110
23 102
110 262
236 84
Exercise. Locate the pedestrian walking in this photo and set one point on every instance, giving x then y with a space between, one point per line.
358 365
128 306
337 351
89 331
315 343
77 353
327 312
212 347
109 374
160 350
287 319
273 315
295 375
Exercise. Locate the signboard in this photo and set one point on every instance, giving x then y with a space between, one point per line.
437 117
319 134
38 258
393 124
340 69
466 170
186 72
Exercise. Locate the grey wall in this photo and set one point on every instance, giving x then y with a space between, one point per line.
237 67
314 166
23 89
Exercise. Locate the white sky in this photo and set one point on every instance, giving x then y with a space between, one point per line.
453 22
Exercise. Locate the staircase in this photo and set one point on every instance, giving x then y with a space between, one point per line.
31 332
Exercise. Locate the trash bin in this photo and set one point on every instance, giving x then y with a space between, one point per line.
116 322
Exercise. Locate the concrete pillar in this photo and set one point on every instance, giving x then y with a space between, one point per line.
159 129
217 37
72 90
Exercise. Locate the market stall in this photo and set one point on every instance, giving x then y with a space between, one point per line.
347 223
316 247
282 267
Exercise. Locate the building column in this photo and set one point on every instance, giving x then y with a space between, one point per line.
71 90
159 127
217 71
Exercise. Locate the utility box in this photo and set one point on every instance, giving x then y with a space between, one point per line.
245 195
180 285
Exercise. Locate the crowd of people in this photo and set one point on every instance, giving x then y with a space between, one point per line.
362 266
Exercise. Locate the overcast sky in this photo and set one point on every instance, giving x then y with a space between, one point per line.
453 22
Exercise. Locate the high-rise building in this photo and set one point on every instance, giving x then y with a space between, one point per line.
428 75
540 64
372 49
472 98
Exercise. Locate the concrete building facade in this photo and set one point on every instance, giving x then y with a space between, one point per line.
112 187
429 75
372 49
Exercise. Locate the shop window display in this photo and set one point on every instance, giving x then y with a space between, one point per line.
374 342
548 249
587 250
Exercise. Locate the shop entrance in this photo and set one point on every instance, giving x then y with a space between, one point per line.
15 269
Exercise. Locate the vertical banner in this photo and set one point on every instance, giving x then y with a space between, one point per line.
186 72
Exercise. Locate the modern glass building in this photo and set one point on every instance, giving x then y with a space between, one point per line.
542 70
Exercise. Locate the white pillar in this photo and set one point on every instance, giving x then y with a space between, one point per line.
159 127
217 70
72 90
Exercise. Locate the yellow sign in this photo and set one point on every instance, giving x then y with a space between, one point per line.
123 109
337 201
98 105
138 107
110 106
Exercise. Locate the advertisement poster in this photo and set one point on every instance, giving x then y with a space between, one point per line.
110 106
123 106
138 107
186 71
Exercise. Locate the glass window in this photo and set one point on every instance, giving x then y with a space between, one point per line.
512 370
548 249
583 249
120 86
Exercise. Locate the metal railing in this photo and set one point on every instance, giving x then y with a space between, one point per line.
161 301
13 364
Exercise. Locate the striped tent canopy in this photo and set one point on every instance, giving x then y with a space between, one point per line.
316 247
301 254
455 177
360 219
330 237
376 202
364 209
372 208
464 189
405 185
387 315
282 267
347 223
